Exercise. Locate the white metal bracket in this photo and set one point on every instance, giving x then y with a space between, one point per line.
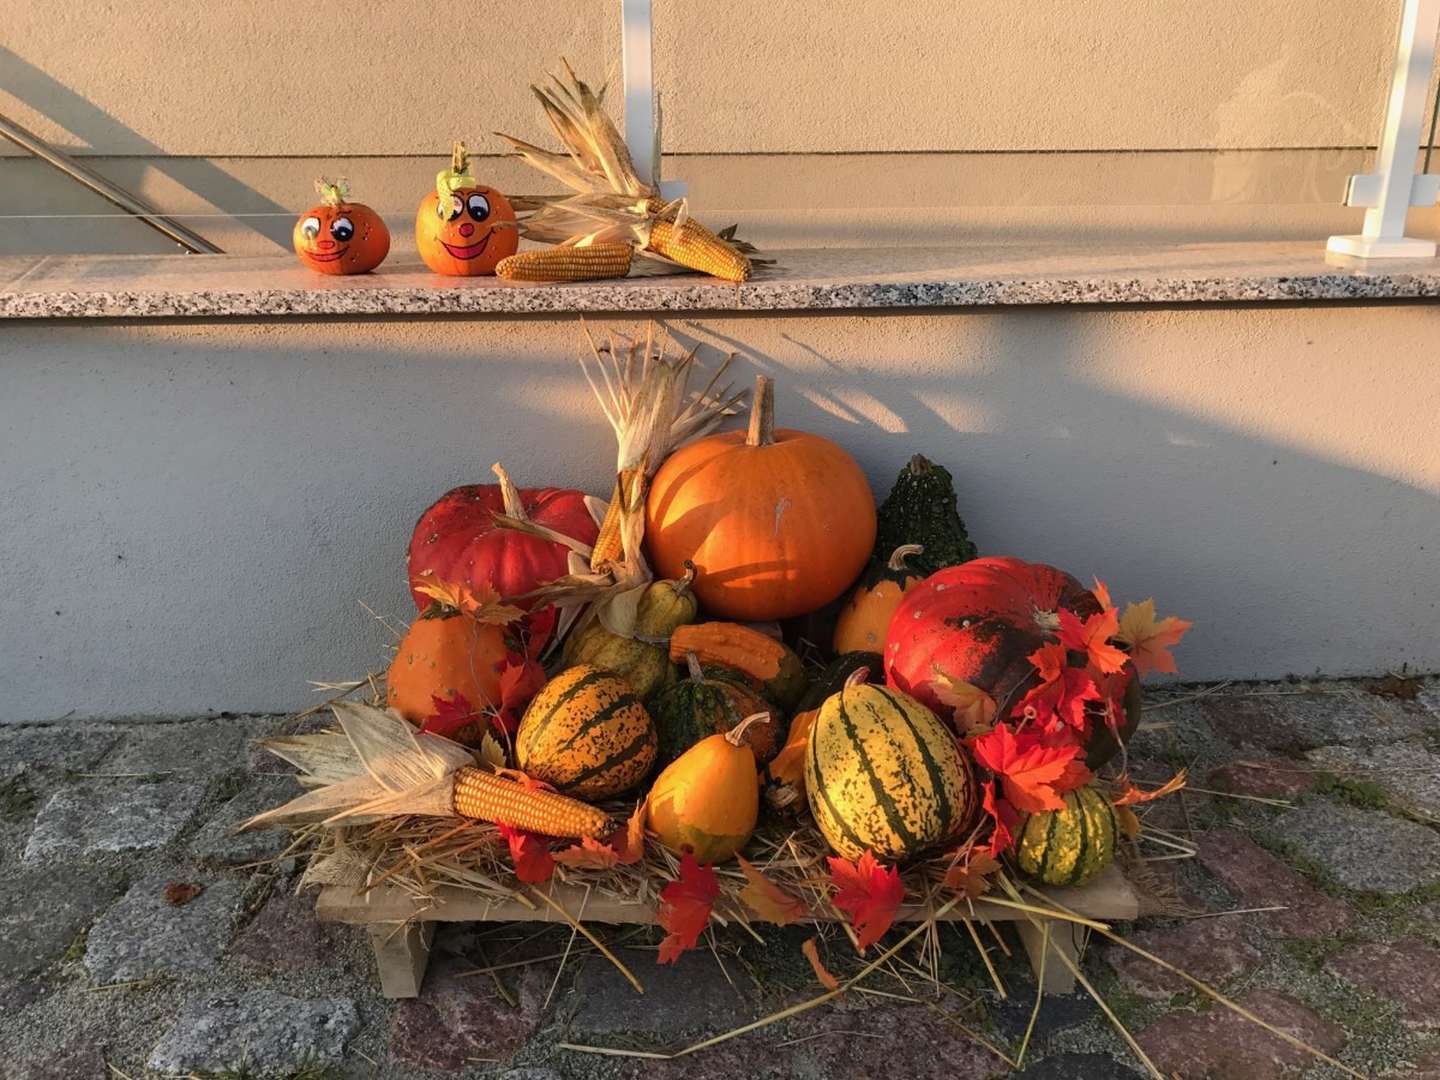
642 131
1390 191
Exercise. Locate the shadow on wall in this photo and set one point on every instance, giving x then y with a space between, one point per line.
95 127
196 509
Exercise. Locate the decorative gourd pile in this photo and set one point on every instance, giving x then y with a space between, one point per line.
960 707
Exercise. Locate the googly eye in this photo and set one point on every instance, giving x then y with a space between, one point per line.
342 229
479 206
311 226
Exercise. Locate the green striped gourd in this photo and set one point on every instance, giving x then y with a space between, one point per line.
643 660
882 772
586 734
703 705
1070 846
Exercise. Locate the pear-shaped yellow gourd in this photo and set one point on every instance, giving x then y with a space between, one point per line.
707 799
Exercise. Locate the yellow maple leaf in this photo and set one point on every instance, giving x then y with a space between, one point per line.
972 876
767 900
974 708
480 602
1150 639
588 854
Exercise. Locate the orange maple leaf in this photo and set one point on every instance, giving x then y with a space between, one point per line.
524 779
1006 819
520 680
1129 822
630 844
974 708
812 953
970 876
1129 794
867 892
685 908
1150 640
588 854
1030 769
480 602
1101 592
1092 637
767 900
530 854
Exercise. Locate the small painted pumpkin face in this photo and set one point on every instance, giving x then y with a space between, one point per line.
464 228
340 237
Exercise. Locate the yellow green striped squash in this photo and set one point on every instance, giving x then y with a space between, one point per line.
882 772
1070 846
586 734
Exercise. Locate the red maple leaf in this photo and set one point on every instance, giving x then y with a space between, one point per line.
520 680
1063 692
455 718
1005 817
868 893
1030 769
1092 637
685 908
530 854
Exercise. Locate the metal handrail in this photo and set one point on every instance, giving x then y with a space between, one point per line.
192 242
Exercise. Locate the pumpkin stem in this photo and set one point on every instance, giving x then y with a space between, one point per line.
736 735
692 663
509 494
762 413
858 677
919 465
459 157
335 193
682 586
903 552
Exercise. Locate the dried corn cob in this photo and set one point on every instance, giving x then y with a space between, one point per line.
487 797
693 245
567 263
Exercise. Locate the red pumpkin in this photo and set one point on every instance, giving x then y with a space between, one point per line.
978 623
457 539
339 236
464 228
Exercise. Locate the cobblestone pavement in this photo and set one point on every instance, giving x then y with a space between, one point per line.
140 937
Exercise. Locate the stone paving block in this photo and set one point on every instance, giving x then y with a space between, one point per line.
1211 950
459 1019
1219 1043
1406 972
269 1033
1061 1011
218 841
144 934
284 934
860 1043
43 911
1259 879
77 1058
1304 720
97 816
1363 850
1264 777
181 749
1408 774
55 750
1078 1067
691 995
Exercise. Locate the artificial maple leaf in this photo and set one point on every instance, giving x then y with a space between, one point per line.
530 854
811 949
767 900
1129 821
491 752
1059 703
630 844
1029 768
971 875
1101 592
588 854
455 718
1005 818
974 708
867 892
1129 794
480 602
520 680
1150 640
685 908
1076 775
1092 637
524 779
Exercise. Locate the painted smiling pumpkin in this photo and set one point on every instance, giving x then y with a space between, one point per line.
340 236
464 228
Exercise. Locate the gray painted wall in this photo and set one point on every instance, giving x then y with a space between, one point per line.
193 511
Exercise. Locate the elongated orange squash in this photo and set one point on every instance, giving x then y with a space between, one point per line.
865 618
587 734
770 665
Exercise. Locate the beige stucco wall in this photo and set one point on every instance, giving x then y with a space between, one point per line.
195 510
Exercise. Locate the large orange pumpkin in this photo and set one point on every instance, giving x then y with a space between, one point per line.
340 236
464 228
777 522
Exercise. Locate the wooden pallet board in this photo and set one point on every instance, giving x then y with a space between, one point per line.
401 927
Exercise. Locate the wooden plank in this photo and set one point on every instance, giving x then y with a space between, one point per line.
402 952
1067 938
1107 897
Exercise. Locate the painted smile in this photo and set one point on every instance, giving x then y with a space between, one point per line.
469 251
326 256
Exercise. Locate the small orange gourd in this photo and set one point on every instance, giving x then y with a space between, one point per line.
707 800
463 228
865 617
445 653
340 236
777 522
